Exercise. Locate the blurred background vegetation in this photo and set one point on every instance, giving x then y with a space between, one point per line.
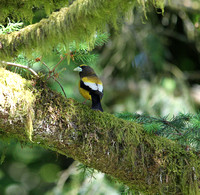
151 65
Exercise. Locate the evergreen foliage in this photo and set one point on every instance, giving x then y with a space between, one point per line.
80 53
184 128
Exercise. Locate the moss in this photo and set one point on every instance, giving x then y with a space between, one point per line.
24 10
17 97
145 162
19 88
148 152
79 22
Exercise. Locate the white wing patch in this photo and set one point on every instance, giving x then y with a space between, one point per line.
100 87
94 86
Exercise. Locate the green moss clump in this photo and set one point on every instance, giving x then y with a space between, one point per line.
23 10
17 97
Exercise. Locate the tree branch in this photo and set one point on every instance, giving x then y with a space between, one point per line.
120 148
20 66
78 22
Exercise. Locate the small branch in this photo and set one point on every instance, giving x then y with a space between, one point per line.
168 123
46 66
53 76
58 64
59 84
20 66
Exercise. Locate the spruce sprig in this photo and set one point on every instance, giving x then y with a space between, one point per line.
82 52
183 128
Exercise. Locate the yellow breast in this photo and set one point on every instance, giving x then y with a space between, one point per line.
84 93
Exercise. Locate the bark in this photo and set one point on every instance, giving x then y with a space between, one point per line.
120 148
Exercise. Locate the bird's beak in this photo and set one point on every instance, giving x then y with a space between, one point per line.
78 69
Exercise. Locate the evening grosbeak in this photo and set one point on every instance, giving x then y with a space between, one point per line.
90 86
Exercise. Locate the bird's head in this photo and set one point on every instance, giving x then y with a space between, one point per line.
84 70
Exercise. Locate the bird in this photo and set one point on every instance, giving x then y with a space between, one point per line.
90 86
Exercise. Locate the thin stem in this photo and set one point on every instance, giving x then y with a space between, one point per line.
46 66
60 85
20 66
58 64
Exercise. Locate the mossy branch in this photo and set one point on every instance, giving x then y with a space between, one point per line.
120 148
79 22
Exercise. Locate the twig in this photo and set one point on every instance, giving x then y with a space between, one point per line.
46 66
60 85
58 64
20 66
168 123
53 76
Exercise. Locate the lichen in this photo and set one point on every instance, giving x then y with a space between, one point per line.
16 97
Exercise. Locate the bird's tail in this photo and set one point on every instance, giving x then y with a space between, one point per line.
96 102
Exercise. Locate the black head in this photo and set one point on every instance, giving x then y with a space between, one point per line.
85 70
